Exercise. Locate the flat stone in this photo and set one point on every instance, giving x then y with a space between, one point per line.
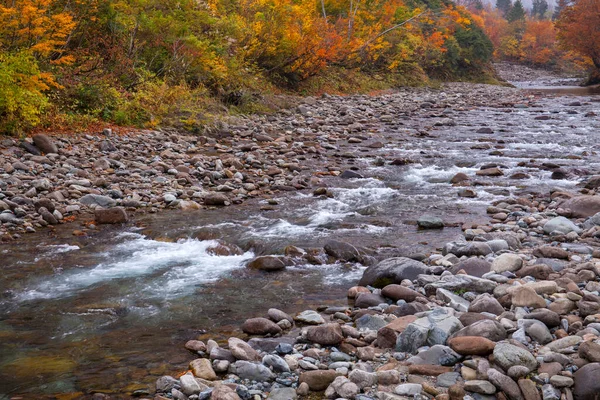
472 345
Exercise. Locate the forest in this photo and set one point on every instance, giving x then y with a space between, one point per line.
70 64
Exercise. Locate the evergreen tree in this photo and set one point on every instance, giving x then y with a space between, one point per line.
539 9
562 4
517 12
504 6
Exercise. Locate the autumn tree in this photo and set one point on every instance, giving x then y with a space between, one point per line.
579 30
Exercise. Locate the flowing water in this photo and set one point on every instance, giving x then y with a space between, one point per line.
110 312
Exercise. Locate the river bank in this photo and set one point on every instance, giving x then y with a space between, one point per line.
357 169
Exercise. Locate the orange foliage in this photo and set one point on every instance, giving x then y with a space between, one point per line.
579 29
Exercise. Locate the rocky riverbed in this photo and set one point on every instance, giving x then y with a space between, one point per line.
465 214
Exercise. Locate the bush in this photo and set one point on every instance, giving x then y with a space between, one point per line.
22 98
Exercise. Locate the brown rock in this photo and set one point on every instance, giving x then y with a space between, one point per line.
590 351
582 206
242 350
471 345
326 334
458 178
398 292
529 389
260 326
538 271
366 300
44 143
429 370
114 215
268 263
195 345
386 336
525 296
202 368
319 380
224 392
469 318
355 290
551 368
587 382
551 252
490 172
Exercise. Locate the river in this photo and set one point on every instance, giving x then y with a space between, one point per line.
110 312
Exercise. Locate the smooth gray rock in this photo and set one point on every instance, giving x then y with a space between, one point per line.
562 225
392 270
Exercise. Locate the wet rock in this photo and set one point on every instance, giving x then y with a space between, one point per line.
278 315
471 345
459 177
114 215
216 199
490 172
260 326
366 300
430 222
190 385
348 174
398 292
342 251
310 317
392 270
242 350
326 334
268 263
202 368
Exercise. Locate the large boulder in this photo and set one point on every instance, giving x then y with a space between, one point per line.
587 382
392 270
561 225
252 371
582 206
44 143
114 215
342 251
